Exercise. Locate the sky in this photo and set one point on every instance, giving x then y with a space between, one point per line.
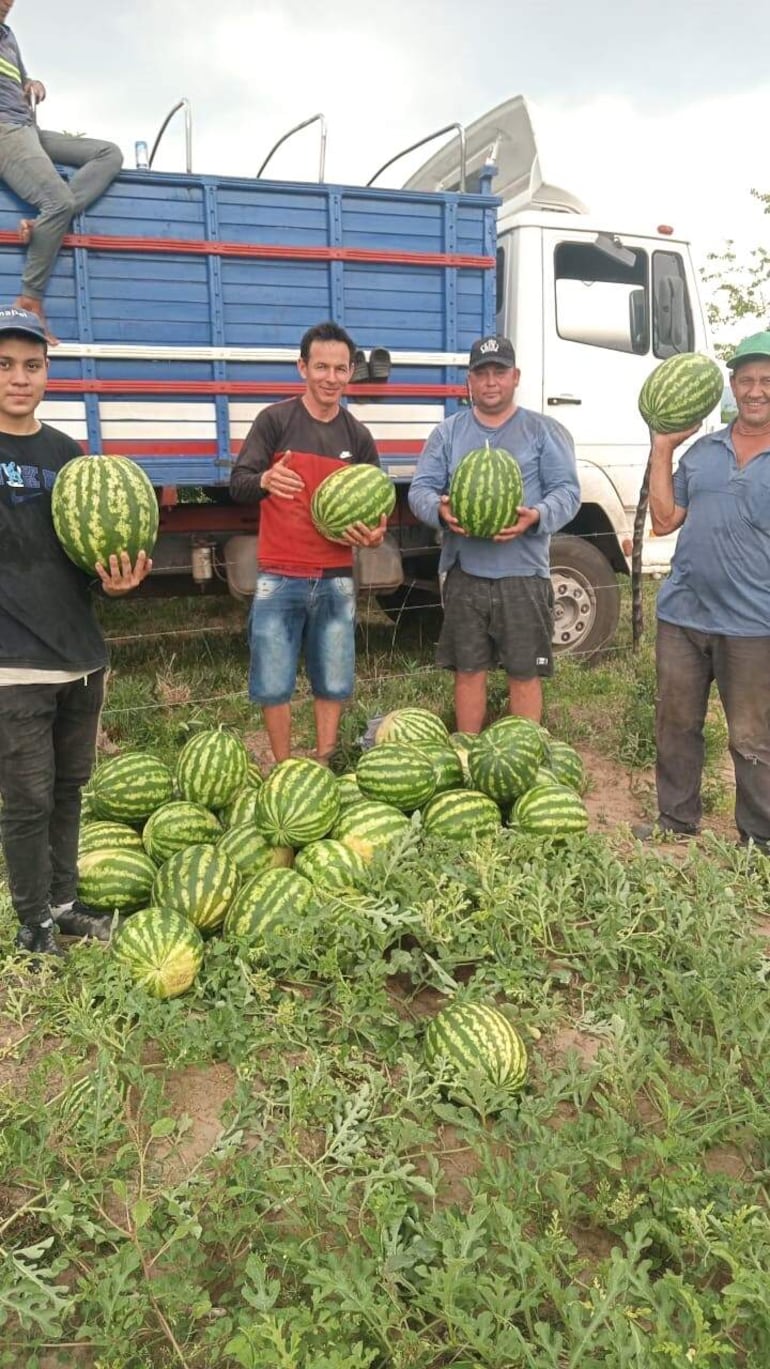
650 112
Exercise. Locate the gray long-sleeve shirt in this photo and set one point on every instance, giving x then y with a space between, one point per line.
546 455
13 106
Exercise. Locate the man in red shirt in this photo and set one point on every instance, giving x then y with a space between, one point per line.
305 595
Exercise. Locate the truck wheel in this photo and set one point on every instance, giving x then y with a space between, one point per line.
586 598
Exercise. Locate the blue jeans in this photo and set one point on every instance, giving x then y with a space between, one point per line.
289 614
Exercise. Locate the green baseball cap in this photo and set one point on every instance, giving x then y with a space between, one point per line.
751 349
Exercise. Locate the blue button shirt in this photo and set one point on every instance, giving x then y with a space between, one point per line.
546 454
720 574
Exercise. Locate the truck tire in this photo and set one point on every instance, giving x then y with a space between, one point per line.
586 598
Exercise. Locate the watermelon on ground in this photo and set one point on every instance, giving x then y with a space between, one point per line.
411 725
248 849
369 826
397 773
270 901
200 883
486 491
566 765
161 949
115 881
330 864
176 825
461 815
103 506
447 766
242 807
130 787
298 803
505 759
466 1037
211 768
108 836
550 811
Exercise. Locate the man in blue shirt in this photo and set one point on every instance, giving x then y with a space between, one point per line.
27 159
714 609
498 601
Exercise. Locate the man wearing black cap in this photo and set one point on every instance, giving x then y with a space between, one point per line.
498 601
52 656
714 609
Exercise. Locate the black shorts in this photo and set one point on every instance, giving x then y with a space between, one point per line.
491 623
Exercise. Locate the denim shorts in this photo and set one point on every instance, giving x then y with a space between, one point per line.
289 615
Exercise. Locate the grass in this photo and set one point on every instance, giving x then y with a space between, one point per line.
262 1173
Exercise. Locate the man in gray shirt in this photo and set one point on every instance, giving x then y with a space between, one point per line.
498 601
27 158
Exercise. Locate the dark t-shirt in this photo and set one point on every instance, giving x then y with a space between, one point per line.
288 541
47 619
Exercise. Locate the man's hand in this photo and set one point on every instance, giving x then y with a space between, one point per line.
668 442
121 576
447 517
34 92
358 535
280 480
527 519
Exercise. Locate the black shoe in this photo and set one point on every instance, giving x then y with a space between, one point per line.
40 940
379 363
82 921
360 374
649 831
25 938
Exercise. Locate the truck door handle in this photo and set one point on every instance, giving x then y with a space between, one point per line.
563 399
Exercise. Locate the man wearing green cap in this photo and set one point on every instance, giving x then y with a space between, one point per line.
714 609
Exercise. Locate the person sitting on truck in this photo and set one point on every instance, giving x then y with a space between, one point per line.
27 157
714 609
52 657
497 594
305 594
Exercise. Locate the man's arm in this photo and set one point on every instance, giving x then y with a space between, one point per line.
430 481
668 492
559 480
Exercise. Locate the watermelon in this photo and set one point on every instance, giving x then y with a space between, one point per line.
329 864
462 743
247 848
397 773
299 802
505 758
128 788
254 777
115 881
242 807
461 815
369 826
411 725
161 949
348 790
476 1036
680 392
447 766
211 768
108 836
550 811
352 494
102 506
200 883
486 491
176 825
272 900
565 764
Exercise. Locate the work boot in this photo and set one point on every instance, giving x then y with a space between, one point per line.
79 920
657 831
40 940
25 937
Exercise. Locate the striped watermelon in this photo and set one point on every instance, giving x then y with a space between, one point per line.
505 758
397 773
254 777
369 826
108 836
464 1037
329 864
102 506
462 743
460 815
348 790
128 788
415 725
550 811
211 768
247 848
299 802
275 899
352 494
565 764
161 949
118 880
485 491
242 807
176 825
680 392
447 766
200 883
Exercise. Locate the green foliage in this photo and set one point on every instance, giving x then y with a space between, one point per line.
740 286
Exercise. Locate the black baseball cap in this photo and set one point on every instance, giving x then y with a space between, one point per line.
13 320
492 351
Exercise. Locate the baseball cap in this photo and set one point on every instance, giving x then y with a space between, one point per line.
13 320
492 351
751 348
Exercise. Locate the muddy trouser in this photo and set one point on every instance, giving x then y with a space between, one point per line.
687 664
47 746
27 157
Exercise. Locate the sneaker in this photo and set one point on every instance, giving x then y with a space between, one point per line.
40 940
648 831
80 921
25 937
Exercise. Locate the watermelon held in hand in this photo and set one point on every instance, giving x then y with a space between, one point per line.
352 494
102 506
680 392
486 491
